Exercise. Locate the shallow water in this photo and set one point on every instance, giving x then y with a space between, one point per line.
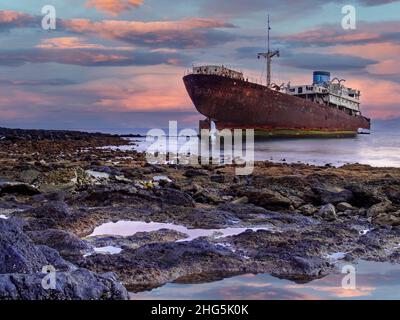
129 228
380 148
373 281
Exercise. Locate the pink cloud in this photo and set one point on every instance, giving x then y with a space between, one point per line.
186 33
147 91
114 7
67 43
112 28
332 35
387 53
75 43
14 18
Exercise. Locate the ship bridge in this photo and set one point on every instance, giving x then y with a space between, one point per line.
327 92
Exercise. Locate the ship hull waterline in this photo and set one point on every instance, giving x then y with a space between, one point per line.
238 104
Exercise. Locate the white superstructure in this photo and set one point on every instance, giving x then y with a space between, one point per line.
328 93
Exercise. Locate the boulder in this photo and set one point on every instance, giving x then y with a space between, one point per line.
17 252
267 199
344 206
330 194
21 277
308 210
379 208
80 284
363 196
393 193
51 215
18 188
190 173
328 212
67 244
174 197
388 219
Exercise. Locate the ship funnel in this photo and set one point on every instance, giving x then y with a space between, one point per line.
320 77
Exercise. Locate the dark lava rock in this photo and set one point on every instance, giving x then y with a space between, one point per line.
52 135
393 193
137 240
266 198
308 210
174 197
328 212
364 196
54 259
329 194
79 284
190 173
21 265
18 188
388 219
17 252
344 206
67 244
203 218
218 178
153 265
50 215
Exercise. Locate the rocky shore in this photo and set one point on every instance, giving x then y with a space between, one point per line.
56 188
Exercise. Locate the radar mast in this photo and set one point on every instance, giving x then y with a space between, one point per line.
269 55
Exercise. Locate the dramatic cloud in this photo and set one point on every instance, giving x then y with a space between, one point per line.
143 92
68 43
286 7
187 33
90 57
314 61
14 19
248 52
114 7
36 83
332 35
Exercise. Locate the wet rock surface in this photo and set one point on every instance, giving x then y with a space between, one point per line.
21 276
56 188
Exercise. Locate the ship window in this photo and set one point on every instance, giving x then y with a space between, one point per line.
301 90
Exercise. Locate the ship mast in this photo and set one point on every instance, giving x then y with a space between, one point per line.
268 56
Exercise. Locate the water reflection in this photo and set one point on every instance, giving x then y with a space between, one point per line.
381 148
373 281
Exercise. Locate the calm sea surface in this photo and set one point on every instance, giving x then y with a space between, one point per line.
380 148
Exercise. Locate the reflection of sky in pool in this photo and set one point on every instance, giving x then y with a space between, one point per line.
129 228
373 281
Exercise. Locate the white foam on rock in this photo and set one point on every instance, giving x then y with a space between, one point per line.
2 216
97 174
108 250
105 250
129 228
337 256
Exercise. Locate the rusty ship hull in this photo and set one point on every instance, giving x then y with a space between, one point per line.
239 104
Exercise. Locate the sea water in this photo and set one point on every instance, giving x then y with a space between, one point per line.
381 148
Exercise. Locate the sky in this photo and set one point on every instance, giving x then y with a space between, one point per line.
118 64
